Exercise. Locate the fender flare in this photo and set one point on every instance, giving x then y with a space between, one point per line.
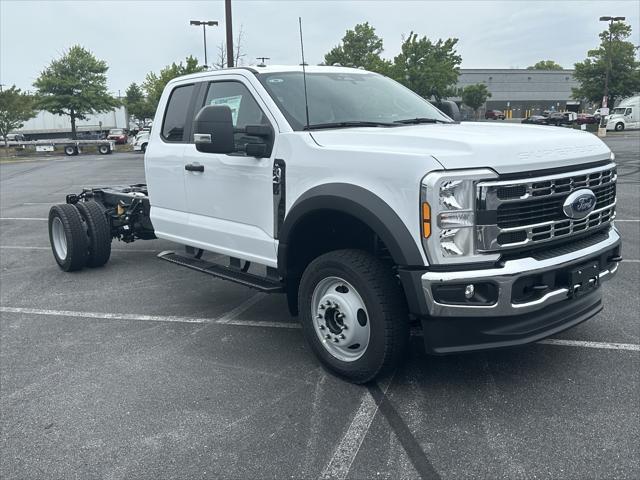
362 204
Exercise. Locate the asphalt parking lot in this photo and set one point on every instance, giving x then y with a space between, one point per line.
142 369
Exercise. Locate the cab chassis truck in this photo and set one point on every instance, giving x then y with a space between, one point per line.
368 208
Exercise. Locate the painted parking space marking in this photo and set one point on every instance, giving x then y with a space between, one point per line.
25 219
229 318
132 250
345 453
633 347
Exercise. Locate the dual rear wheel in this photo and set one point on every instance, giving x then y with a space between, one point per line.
80 235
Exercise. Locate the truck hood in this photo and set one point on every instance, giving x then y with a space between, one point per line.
505 147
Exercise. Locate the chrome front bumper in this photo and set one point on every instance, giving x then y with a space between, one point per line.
504 278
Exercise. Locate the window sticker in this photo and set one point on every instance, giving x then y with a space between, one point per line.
232 102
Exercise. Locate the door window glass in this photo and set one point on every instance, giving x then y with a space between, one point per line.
244 109
175 117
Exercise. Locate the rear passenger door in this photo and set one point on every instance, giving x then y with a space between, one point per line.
231 201
164 164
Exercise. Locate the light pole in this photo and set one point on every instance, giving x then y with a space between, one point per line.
229 27
205 24
605 98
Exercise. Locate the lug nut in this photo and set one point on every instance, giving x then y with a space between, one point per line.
322 307
340 316
342 336
336 340
321 327
327 337
328 302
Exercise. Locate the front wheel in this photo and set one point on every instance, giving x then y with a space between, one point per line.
354 315
619 127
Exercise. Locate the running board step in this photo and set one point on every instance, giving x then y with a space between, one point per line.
263 284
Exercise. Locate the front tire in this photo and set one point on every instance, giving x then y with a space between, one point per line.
68 237
619 127
354 314
98 233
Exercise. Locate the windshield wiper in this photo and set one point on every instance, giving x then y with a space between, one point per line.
349 123
415 121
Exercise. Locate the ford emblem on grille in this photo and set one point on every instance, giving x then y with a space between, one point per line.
579 204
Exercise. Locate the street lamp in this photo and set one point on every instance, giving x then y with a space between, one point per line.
205 24
605 98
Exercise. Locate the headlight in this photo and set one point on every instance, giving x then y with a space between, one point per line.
448 205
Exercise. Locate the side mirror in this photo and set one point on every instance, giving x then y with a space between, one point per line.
213 129
450 108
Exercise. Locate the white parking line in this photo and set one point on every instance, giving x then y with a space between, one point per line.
581 343
625 220
229 319
346 451
226 319
132 250
25 219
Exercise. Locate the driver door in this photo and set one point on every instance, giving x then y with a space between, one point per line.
230 202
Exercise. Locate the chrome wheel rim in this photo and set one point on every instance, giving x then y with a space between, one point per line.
340 319
59 238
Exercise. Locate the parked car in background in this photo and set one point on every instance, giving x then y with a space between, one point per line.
494 115
536 120
561 118
586 118
118 135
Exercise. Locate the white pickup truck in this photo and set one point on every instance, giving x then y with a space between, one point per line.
369 208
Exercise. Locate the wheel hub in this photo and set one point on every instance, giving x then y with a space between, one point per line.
337 309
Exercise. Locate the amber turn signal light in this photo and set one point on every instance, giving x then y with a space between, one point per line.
426 220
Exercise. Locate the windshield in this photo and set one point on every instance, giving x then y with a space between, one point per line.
115 131
349 98
618 111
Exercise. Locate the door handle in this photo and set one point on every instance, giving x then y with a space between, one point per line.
194 168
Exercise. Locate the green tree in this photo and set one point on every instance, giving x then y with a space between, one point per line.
545 65
474 96
137 104
624 69
429 69
154 84
16 108
75 85
360 47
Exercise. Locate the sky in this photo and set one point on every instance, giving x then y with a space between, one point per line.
135 37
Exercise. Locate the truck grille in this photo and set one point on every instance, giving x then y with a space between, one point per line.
517 213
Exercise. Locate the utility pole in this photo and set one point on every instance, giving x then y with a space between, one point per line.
605 98
205 24
229 26
262 59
